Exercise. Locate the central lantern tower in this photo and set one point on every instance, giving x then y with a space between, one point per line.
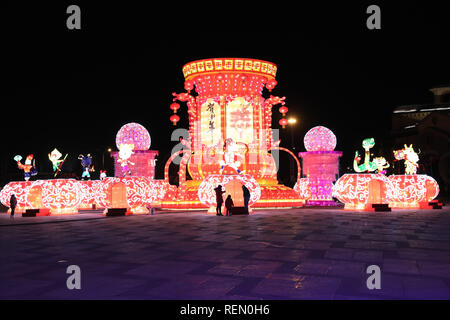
229 110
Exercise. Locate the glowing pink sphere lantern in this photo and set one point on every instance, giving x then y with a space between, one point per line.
320 139
133 133
320 164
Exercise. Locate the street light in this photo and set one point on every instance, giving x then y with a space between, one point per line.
103 157
292 122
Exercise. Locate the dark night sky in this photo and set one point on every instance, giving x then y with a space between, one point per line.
74 89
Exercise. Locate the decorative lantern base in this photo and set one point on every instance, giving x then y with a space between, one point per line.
434 204
413 191
368 207
322 203
273 195
114 212
36 213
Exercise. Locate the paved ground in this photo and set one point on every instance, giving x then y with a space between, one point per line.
280 254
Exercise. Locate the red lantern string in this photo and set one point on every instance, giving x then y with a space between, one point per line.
175 106
174 118
283 122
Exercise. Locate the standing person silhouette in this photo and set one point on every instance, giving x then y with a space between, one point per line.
219 199
229 205
12 204
246 197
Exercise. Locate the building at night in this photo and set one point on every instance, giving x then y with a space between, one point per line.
427 126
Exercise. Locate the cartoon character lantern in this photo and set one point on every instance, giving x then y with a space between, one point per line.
411 158
57 162
367 166
86 163
229 151
29 168
381 164
125 152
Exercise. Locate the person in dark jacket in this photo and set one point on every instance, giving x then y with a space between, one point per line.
219 199
229 205
12 204
246 197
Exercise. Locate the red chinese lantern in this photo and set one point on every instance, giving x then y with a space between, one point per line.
188 85
283 110
271 84
174 118
283 122
175 106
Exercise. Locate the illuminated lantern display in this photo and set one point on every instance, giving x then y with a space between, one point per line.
207 195
29 168
367 166
57 162
21 190
319 139
320 164
133 193
225 103
135 134
66 196
162 188
88 190
362 191
142 161
303 187
411 158
125 153
413 191
61 196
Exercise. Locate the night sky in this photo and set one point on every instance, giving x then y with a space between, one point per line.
74 89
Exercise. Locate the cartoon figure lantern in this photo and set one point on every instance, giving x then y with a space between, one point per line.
320 164
86 163
381 164
367 166
226 108
126 150
29 168
57 162
229 150
411 158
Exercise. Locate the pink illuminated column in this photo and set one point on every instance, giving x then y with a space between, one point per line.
144 163
320 164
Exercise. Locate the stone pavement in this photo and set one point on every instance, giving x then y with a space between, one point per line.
271 254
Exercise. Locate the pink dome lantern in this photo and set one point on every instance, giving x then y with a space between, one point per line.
320 164
133 133
320 139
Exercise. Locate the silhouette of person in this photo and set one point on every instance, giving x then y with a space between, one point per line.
219 199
